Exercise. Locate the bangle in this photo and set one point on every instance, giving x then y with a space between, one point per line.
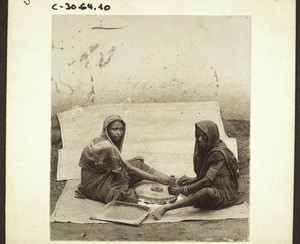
185 190
154 178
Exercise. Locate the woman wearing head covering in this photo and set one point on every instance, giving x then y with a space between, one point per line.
216 183
105 175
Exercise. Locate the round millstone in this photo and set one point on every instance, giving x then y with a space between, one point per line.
154 193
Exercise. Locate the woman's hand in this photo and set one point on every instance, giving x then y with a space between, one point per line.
169 181
175 190
185 180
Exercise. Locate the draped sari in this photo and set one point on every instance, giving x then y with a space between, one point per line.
219 164
104 175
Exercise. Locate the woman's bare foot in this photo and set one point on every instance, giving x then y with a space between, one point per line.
158 213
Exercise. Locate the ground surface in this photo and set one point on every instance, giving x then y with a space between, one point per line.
222 230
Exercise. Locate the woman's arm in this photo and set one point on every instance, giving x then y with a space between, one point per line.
140 173
204 182
198 185
210 175
146 176
185 180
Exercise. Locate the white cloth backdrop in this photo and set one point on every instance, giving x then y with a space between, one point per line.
163 133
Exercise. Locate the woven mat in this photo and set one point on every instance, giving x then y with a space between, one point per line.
163 133
74 210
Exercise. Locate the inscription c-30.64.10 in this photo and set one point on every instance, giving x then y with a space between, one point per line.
81 6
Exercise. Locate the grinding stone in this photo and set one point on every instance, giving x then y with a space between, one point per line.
145 192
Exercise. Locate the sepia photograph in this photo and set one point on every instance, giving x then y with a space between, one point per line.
150 121
150 128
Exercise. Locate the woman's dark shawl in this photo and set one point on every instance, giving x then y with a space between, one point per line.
204 158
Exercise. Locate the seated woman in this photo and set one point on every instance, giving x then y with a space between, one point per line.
105 175
216 183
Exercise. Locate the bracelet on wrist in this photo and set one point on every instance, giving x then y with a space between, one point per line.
185 190
154 178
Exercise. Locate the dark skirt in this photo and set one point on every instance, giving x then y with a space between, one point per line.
223 193
109 186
